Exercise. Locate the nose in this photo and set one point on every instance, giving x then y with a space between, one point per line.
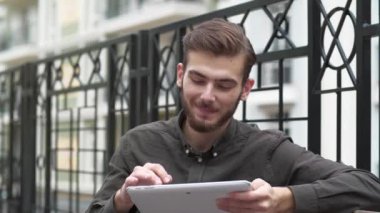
208 94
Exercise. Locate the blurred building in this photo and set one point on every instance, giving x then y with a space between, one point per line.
32 29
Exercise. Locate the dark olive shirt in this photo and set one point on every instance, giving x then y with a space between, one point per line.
243 153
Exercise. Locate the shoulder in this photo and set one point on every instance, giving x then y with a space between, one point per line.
157 126
253 132
153 131
268 139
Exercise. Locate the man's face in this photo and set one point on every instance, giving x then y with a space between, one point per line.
211 87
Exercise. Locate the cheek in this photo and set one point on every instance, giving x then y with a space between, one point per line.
189 92
229 97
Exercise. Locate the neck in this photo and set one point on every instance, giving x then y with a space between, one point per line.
203 141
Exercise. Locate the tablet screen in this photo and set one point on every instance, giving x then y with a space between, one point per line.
183 198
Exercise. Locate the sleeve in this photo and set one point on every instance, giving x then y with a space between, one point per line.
321 185
118 171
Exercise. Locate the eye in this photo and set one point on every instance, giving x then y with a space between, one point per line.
226 85
197 79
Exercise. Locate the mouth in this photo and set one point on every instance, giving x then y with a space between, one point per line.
206 111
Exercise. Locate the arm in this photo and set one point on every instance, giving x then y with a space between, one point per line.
305 182
112 196
321 185
103 199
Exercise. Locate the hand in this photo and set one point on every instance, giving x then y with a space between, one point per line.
149 174
262 198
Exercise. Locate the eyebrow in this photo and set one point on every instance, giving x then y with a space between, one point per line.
222 80
196 73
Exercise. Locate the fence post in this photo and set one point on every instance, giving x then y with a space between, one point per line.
181 33
154 69
111 91
138 79
48 141
363 97
314 100
28 137
143 54
12 138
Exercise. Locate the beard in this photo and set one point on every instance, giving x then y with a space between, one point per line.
204 125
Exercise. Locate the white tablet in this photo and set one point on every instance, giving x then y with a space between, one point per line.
183 198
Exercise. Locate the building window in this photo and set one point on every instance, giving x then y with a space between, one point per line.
17 24
69 16
117 7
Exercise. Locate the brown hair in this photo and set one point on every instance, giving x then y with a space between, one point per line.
220 37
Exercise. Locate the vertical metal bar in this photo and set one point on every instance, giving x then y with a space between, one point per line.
95 128
56 136
143 63
339 117
167 93
28 138
244 111
77 179
181 33
111 90
259 74
71 149
154 70
281 95
133 75
48 141
314 65
12 95
124 124
363 99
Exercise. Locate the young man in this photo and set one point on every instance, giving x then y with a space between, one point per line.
204 143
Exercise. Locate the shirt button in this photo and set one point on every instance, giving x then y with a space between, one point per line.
214 154
187 151
200 160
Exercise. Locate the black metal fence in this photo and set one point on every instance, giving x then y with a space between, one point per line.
61 117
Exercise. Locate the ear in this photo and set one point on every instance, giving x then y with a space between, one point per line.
247 89
180 73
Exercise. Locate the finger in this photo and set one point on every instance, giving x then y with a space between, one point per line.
257 183
233 205
244 196
131 181
145 176
160 171
259 194
260 190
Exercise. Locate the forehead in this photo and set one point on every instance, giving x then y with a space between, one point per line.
214 66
